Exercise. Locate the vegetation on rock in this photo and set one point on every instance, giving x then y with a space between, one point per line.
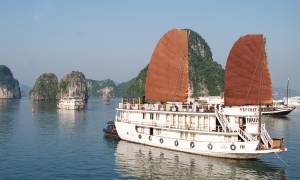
134 87
205 75
45 87
73 85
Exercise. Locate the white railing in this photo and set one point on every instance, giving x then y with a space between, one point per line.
224 122
266 138
245 135
265 142
226 126
221 120
168 107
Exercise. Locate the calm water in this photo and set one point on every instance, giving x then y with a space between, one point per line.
52 144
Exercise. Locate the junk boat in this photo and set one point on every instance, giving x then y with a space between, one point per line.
277 111
71 103
171 120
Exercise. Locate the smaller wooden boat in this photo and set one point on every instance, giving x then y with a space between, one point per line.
110 130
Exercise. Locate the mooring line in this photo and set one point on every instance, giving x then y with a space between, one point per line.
280 159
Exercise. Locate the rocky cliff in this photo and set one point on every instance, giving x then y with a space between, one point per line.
107 93
73 85
9 86
45 87
134 87
206 76
95 87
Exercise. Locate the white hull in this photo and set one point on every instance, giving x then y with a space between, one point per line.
128 132
69 107
71 104
278 111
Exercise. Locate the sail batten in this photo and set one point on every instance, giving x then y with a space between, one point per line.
246 68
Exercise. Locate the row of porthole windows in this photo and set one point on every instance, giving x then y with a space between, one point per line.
192 144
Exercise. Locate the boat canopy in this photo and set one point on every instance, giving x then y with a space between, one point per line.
247 77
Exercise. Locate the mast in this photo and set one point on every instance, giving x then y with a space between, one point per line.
287 93
260 89
259 100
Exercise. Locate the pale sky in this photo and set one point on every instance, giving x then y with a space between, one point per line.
115 39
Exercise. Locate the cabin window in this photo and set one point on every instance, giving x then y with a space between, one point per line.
151 116
157 116
173 120
157 131
181 135
168 116
151 131
121 115
144 115
227 139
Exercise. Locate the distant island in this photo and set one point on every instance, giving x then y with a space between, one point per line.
47 87
9 86
95 87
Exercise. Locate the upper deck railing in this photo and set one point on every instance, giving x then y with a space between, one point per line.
196 108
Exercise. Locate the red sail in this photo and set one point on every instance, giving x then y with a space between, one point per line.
247 77
167 75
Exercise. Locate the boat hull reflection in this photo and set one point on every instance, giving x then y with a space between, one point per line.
136 160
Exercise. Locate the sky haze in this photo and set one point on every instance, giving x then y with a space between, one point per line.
115 39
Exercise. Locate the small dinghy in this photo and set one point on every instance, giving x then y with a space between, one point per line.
110 130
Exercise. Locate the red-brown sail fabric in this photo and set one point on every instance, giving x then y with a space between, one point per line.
167 75
247 78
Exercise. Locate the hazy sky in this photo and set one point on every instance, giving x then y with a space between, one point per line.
115 39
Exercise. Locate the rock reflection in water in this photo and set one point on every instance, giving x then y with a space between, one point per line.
50 119
44 117
44 106
8 108
136 160
9 105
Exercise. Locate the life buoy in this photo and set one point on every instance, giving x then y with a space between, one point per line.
232 147
161 140
150 138
140 136
192 144
176 143
210 146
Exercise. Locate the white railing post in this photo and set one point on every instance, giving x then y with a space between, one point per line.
221 120
265 136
